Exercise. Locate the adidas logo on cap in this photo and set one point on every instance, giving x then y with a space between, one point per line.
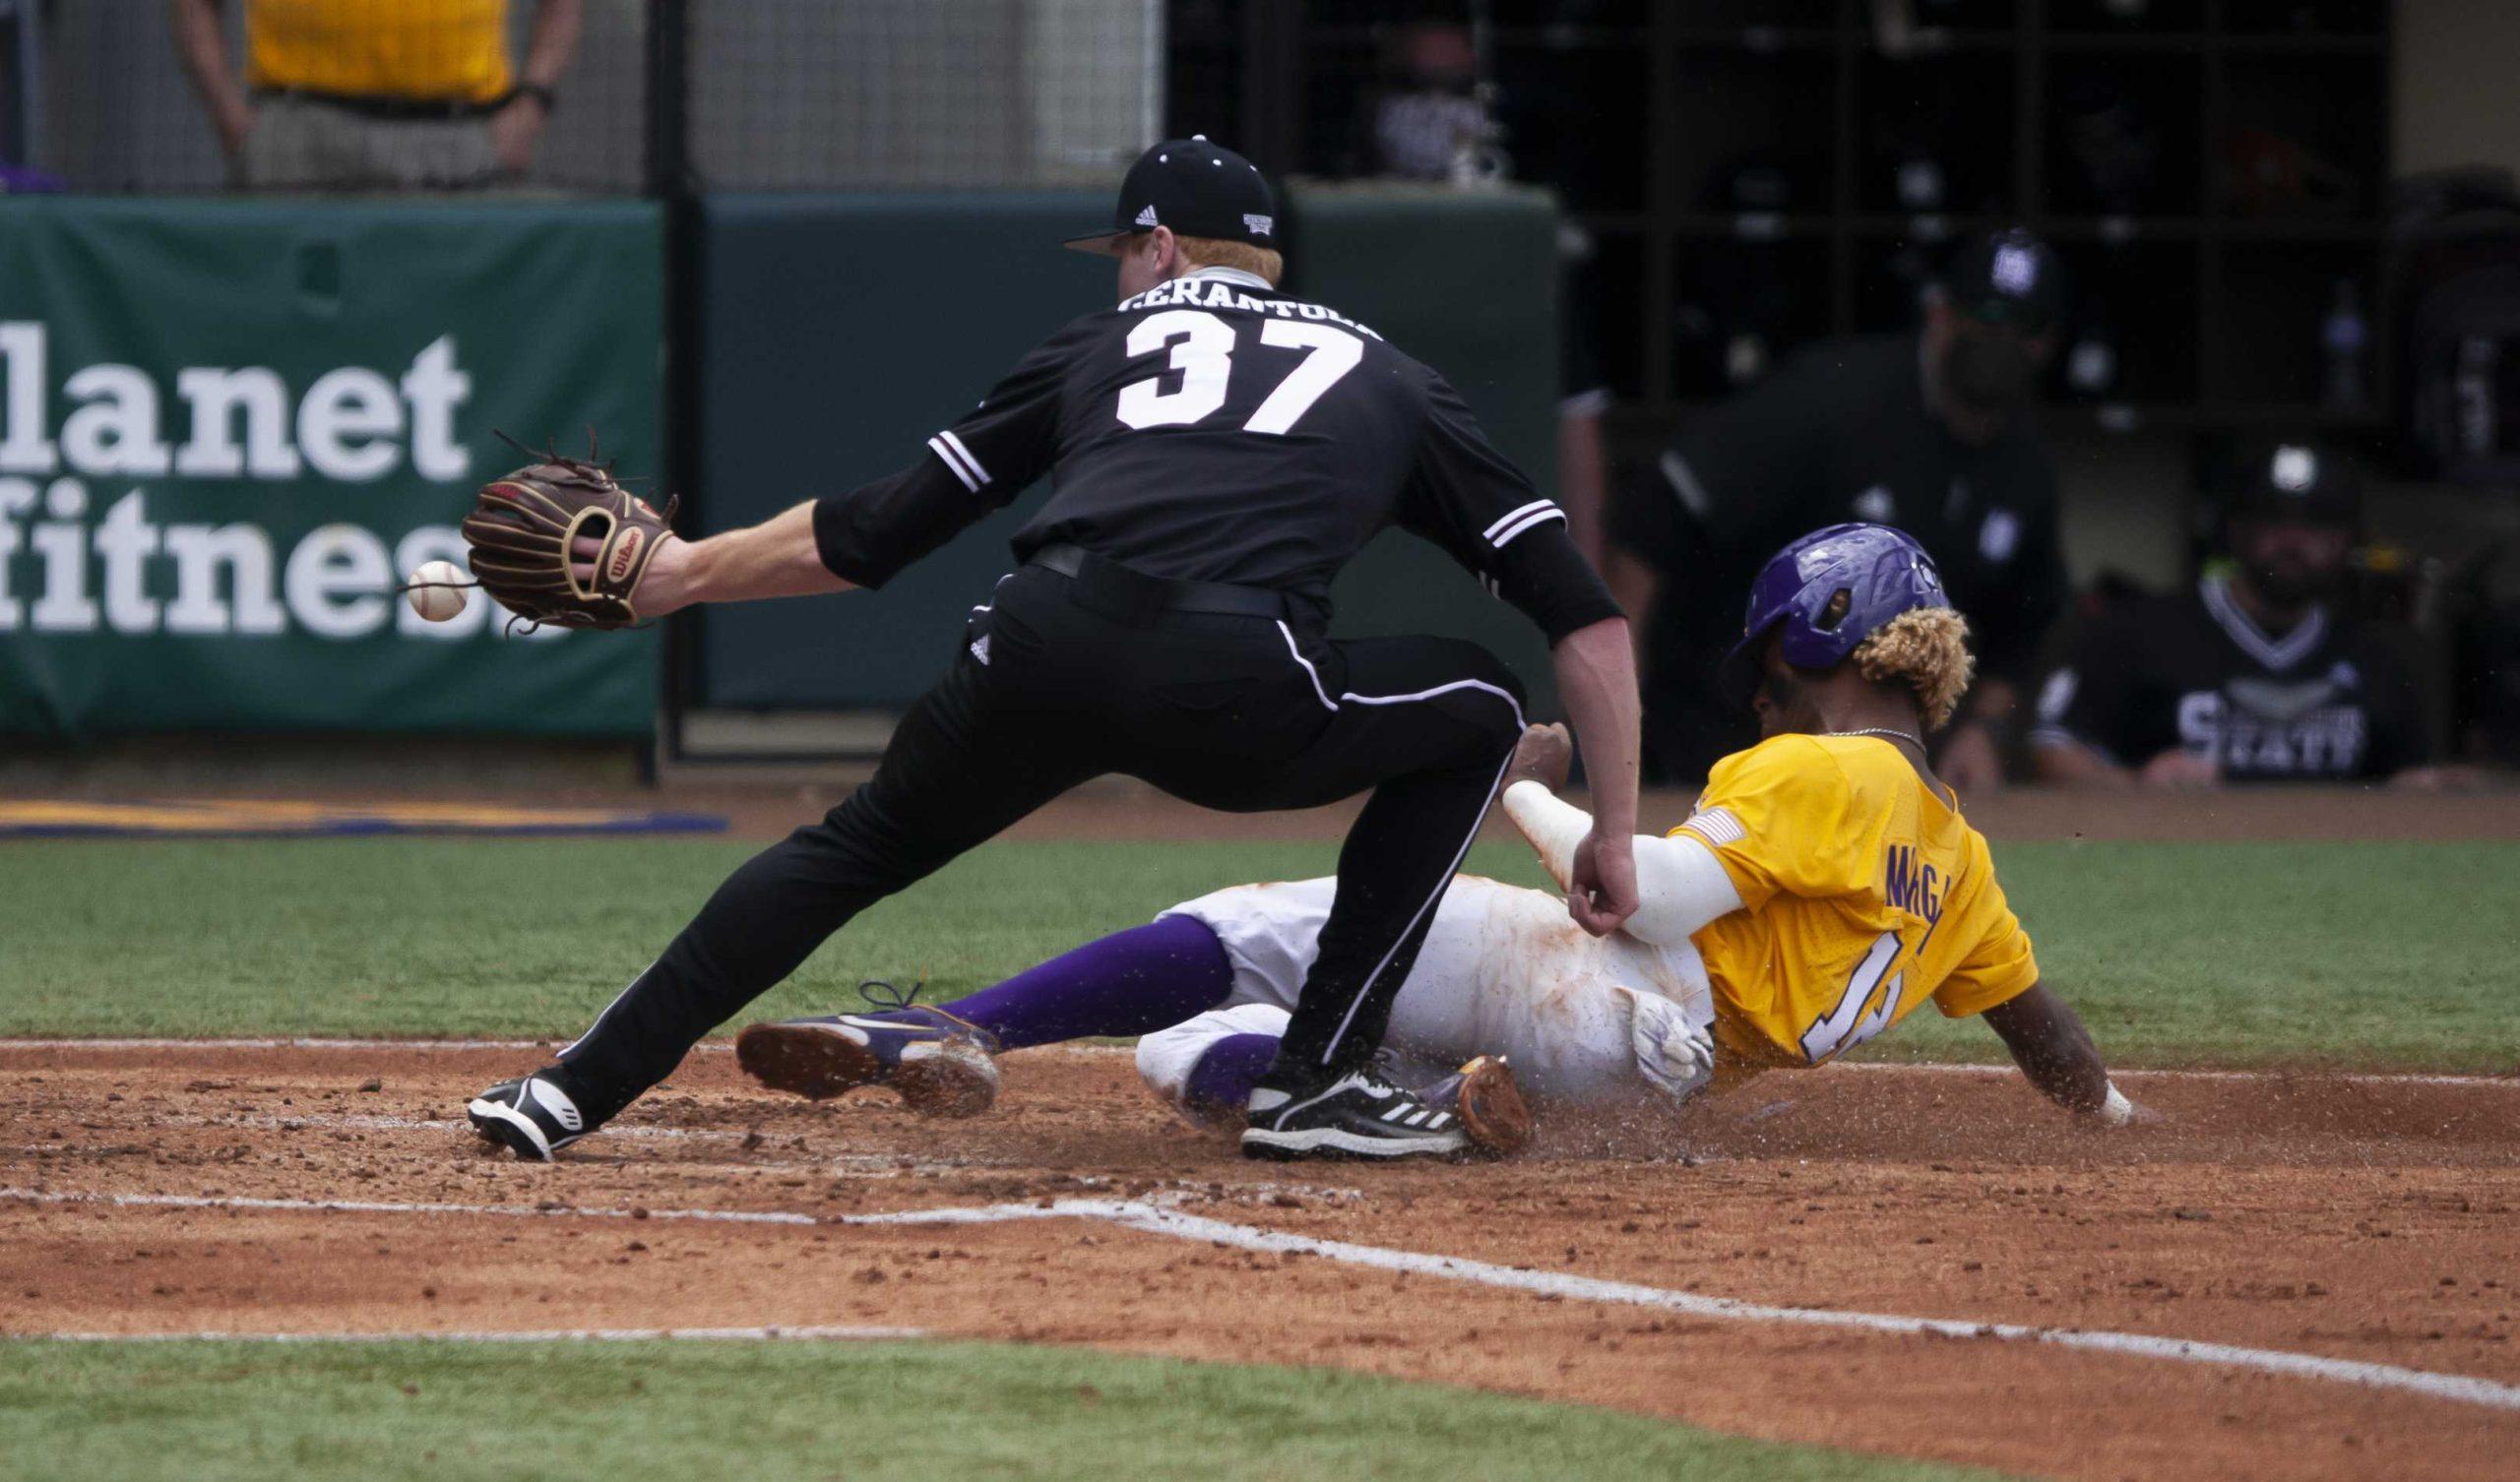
1146 217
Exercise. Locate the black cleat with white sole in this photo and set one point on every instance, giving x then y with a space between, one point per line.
1356 1114
530 1116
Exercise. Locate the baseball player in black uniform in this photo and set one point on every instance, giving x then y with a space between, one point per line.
2254 675
1219 450
1926 431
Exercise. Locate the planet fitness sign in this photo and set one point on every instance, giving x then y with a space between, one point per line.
227 429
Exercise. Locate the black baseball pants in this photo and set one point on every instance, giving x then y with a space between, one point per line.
1064 679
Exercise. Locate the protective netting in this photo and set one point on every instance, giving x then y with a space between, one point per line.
807 94
157 95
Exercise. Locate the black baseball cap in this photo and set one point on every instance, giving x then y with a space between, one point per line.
1196 189
2298 481
2009 278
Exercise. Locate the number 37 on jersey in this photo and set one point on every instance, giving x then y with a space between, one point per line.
1307 359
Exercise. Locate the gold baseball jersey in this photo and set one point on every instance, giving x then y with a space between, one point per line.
1865 893
455 51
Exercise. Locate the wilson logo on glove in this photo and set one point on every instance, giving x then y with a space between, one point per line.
626 555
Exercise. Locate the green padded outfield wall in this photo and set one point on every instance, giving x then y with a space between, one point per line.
227 428
839 333
840 330
1467 283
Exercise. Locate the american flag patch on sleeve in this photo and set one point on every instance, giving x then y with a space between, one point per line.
1717 826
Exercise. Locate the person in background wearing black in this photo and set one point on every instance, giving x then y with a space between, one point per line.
2257 674
1927 431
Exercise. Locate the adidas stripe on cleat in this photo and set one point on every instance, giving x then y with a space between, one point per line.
530 1116
1354 1115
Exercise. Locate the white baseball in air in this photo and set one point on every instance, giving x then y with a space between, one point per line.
437 590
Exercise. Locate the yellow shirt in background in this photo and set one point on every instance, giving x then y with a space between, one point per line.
455 51
1866 895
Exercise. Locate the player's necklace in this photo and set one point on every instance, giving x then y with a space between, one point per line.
1885 732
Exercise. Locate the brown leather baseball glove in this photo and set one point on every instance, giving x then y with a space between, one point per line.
559 542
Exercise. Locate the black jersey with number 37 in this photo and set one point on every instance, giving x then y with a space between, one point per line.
1213 429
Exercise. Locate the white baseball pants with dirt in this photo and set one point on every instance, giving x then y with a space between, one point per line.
1503 972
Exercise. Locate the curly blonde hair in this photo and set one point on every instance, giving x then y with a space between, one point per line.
1214 252
1926 648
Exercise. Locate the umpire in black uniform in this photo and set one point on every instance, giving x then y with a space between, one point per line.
1219 450
1929 431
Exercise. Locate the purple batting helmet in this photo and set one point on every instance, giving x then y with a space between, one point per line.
1882 573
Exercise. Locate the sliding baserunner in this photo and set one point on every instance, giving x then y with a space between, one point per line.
1825 887
1218 451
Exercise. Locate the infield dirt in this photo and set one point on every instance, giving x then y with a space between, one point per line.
2353 1219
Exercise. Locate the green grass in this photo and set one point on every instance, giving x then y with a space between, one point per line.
2363 955
769 1412
517 937
2358 955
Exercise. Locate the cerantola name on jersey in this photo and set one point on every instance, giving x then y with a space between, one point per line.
1191 293
78 559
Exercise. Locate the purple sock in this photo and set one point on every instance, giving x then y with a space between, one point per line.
1134 982
1228 1071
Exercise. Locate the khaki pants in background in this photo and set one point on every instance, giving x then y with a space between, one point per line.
298 144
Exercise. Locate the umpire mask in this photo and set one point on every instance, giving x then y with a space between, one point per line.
1988 369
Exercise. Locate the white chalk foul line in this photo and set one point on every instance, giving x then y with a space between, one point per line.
961 1216
368 1206
801 1334
1154 1219
839 1165
2457 1386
